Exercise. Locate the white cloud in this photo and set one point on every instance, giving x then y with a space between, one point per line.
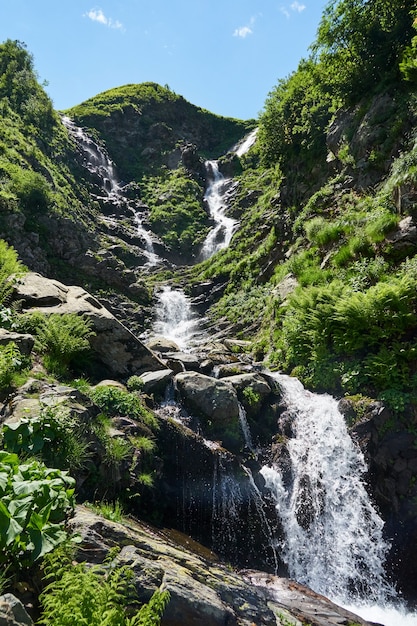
97 15
244 31
296 6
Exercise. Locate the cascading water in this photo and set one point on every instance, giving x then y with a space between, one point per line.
333 535
243 146
100 165
175 318
220 235
95 159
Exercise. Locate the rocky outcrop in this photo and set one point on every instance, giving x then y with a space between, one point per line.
117 351
202 591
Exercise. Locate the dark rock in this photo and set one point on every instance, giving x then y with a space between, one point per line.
24 342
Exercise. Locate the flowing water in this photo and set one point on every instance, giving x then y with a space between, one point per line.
333 534
220 235
175 318
98 163
243 146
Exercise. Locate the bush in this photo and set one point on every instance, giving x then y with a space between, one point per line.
12 364
10 268
64 340
77 595
34 503
116 401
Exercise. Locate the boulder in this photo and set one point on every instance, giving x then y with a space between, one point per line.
216 403
203 592
116 349
252 389
156 382
162 345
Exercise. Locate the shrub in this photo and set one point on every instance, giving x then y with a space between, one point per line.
34 503
10 268
64 340
55 434
116 401
12 364
77 595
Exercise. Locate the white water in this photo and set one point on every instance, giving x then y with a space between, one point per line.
149 251
333 534
243 146
220 235
97 162
175 318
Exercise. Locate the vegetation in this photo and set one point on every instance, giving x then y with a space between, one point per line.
35 502
177 214
100 595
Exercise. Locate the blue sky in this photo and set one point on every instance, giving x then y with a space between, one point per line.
222 55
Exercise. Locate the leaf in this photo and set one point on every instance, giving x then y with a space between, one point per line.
46 539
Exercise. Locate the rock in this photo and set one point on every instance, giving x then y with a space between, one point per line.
24 342
189 362
202 591
251 389
162 345
215 402
116 349
12 612
156 382
210 397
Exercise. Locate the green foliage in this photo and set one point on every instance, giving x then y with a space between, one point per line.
77 595
63 339
117 401
252 397
56 434
360 44
177 214
19 86
10 269
12 366
35 501
112 511
135 383
296 114
408 65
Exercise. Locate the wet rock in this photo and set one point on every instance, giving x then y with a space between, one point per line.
252 389
156 382
216 403
202 591
162 345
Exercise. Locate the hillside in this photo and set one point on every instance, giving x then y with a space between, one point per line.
318 281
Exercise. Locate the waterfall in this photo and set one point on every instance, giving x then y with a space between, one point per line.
175 318
333 536
149 251
247 142
243 420
220 235
96 160
100 165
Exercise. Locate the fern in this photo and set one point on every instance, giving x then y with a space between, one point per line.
78 595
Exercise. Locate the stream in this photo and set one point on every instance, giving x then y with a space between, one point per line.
333 538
